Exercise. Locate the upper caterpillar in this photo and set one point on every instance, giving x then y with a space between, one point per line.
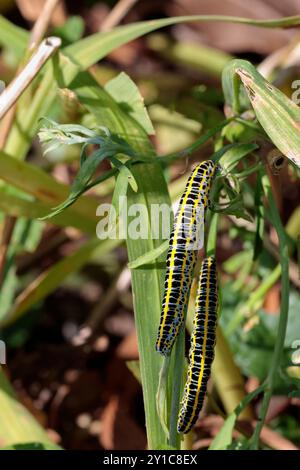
181 257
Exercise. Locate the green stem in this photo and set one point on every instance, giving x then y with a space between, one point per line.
177 386
197 144
212 235
284 309
254 302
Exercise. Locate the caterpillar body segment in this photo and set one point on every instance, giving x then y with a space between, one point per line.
201 353
181 257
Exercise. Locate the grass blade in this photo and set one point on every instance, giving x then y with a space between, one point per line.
18 206
147 281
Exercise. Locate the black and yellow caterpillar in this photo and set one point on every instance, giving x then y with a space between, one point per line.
201 353
181 257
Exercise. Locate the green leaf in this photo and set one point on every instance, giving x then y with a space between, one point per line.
235 154
36 182
278 115
29 208
122 86
253 348
147 283
69 134
81 181
90 50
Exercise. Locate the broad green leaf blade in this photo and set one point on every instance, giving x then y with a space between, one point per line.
122 86
51 279
86 50
278 115
147 283
17 425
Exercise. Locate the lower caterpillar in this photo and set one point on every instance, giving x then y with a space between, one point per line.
201 353
181 257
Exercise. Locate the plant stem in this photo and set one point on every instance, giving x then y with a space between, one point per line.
177 385
284 309
212 235
254 302
197 144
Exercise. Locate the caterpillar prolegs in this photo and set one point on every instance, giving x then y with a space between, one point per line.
181 257
201 353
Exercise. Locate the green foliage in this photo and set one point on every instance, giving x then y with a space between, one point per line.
253 348
278 115
119 127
